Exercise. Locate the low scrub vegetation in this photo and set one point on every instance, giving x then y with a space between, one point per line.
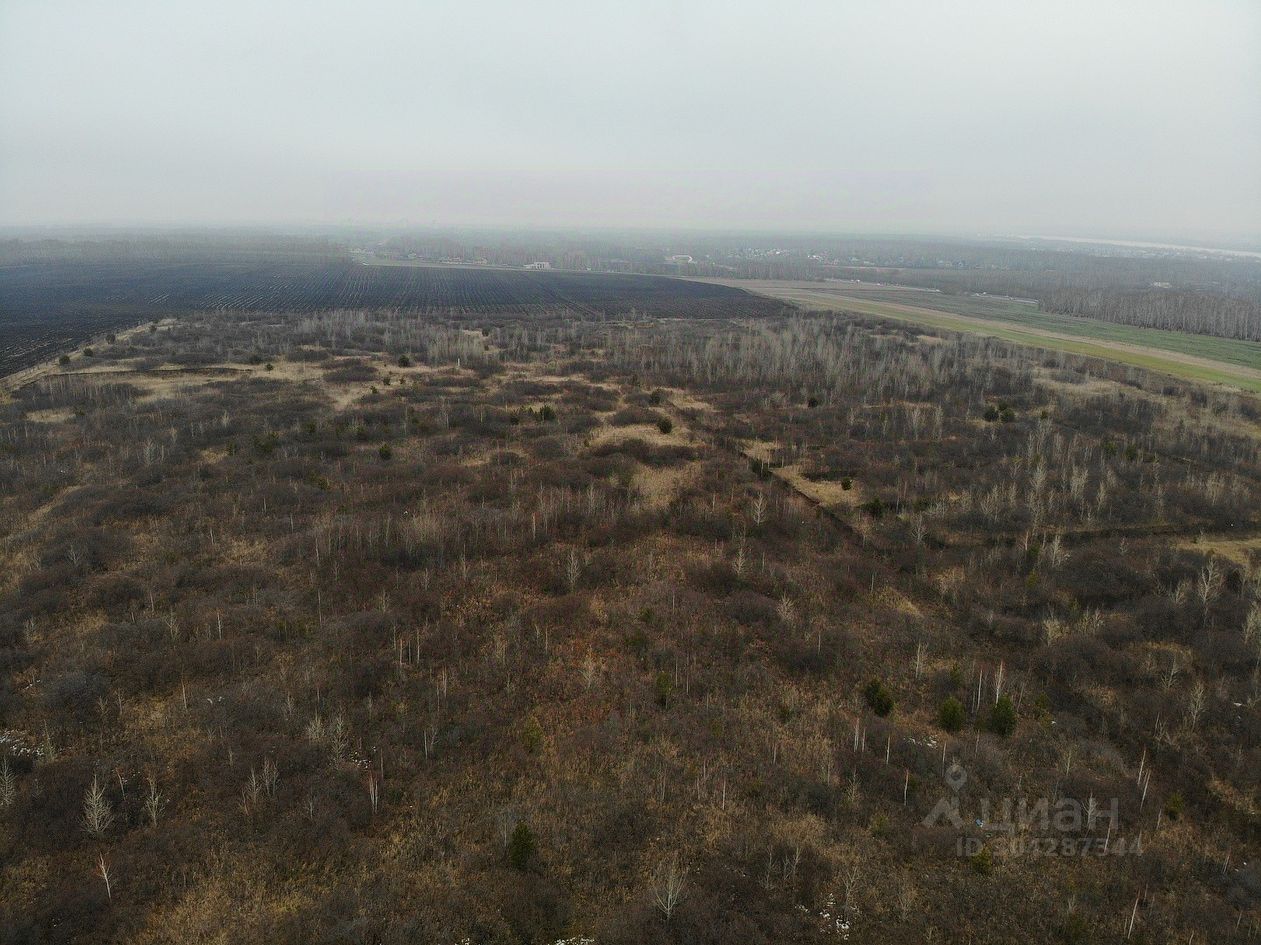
492 630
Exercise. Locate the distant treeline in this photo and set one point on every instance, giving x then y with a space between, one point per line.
1179 290
1199 311
223 246
1224 308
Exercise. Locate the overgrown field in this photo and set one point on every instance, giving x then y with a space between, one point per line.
368 627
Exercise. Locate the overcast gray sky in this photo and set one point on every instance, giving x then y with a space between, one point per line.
1104 117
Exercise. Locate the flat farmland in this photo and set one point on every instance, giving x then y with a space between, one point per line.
1203 358
48 307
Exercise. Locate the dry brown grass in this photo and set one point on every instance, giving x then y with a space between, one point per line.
649 433
686 401
1243 551
821 492
659 486
54 415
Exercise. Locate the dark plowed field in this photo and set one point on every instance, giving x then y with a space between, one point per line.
49 306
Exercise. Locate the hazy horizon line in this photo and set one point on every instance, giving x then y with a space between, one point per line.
1227 241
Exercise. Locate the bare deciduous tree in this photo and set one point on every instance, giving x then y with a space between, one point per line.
154 802
252 792
270 776
573 570
338 733
8 786
667 886
97 813
1252 626
590 671
103 868
1195 706
1209 584
919 529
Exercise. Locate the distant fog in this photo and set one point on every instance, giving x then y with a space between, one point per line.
1133 119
